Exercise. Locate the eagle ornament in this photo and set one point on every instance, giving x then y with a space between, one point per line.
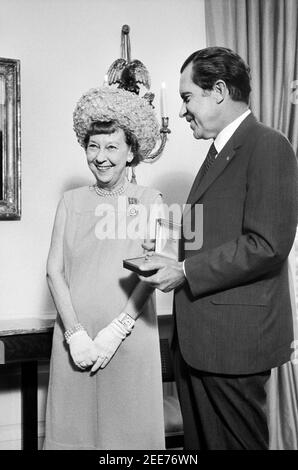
129 73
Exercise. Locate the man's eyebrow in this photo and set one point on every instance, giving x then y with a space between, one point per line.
184 94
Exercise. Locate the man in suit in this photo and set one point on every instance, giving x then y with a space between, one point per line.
233 320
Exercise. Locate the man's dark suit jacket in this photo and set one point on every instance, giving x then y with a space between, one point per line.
233 314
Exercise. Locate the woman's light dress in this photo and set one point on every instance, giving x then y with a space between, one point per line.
121 406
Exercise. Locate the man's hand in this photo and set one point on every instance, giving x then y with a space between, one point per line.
169 276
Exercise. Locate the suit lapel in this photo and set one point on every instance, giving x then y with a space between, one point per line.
223 159
194 185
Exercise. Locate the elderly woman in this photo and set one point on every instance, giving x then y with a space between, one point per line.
105 389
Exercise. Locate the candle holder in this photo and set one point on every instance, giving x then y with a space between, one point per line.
164 131
128 74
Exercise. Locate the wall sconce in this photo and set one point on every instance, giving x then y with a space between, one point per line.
129 74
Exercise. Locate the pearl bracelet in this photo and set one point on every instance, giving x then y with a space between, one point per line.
68 333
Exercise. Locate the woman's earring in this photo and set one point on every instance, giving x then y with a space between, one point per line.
133 178
131 174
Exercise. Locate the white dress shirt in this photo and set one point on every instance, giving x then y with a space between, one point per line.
225 135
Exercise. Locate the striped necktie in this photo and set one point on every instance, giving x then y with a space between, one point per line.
209 160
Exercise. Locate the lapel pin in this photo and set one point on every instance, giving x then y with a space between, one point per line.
228 158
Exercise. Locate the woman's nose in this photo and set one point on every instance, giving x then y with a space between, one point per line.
183 110
101 156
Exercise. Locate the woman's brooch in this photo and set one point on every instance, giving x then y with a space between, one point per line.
133 206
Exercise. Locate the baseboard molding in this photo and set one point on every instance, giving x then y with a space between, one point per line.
11 436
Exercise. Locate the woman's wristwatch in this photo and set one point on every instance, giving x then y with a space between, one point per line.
127 321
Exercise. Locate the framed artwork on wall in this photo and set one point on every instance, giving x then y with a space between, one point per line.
10 140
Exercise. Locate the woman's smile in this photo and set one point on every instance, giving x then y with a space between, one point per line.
102 167
107 155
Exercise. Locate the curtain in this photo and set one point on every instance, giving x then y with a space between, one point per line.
283 384
265 34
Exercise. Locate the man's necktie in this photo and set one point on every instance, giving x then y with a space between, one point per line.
207 163
209 160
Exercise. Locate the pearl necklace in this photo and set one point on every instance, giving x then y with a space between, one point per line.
106 193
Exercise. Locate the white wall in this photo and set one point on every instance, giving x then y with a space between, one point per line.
65 48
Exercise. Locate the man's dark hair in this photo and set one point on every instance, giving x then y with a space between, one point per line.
219 63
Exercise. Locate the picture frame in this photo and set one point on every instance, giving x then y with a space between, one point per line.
10 140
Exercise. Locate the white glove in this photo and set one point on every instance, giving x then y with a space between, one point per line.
82 349
108 340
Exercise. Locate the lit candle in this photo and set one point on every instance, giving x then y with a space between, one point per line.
105 81
163 103
2 90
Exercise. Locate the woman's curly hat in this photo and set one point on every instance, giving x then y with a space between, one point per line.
131 112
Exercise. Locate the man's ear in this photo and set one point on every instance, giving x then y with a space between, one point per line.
220 90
